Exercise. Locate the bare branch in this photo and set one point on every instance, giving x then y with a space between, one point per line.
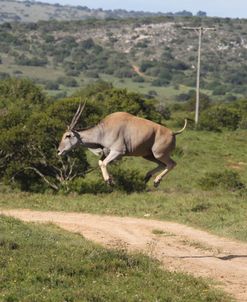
53 186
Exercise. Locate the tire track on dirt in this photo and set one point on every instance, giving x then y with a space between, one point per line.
178 247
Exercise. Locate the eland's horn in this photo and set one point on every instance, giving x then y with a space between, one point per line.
77 116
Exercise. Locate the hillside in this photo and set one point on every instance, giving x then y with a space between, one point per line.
155 56
33 11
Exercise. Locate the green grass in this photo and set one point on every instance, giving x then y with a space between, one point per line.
44 263
166 93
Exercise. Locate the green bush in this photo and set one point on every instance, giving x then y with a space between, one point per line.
160 82
138 79
128 180
13 90
91 74
219 90
84 186
4 75
227 180
216 118
205 101
67 81
50 85
34 61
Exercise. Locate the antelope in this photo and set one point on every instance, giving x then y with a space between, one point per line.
122 134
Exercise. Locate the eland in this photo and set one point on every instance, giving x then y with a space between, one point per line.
122 134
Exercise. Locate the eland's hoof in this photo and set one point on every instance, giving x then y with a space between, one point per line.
156 184
110 182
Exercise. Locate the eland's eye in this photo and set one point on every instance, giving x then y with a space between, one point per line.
68 136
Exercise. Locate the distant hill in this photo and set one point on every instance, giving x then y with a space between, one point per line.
65 47
33 11
154 55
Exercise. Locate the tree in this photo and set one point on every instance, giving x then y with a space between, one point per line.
201 14
29 139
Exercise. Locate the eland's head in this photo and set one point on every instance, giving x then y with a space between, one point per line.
70 138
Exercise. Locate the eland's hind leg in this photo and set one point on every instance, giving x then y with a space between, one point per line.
169 165
161 166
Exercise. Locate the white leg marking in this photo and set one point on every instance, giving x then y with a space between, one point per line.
169 166
111 156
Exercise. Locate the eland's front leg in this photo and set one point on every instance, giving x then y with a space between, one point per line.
113 155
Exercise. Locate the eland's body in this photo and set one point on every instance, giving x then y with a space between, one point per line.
122 134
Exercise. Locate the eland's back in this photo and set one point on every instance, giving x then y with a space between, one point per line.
135 136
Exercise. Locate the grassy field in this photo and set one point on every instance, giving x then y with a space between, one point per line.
43 263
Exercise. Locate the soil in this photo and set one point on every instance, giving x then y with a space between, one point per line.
178 247
138 71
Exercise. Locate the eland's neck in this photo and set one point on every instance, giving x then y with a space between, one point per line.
91 137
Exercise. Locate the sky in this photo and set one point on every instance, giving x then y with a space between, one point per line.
220 8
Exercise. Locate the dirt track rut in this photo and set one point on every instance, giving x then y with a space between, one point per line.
177 246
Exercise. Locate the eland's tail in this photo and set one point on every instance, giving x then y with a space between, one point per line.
180 131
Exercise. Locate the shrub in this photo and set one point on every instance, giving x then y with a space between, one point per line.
220 90
34 61
67 81
228 180
4 75
50 85
128 180
123 72
138 79
205 101
160 82
152 93
87 44
72 73
164 111
91 74
183 97
84 186
219 117
24 90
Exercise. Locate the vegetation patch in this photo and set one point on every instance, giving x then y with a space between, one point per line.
228 180
162 233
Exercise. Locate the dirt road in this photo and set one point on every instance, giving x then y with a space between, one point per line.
177 246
